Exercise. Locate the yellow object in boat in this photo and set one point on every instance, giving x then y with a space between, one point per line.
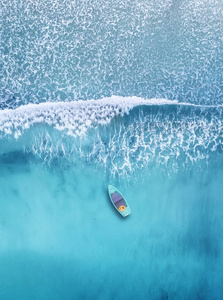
121 208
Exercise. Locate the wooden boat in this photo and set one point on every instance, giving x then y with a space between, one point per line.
119 201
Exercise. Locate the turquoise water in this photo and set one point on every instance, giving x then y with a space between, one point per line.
127 93
62 239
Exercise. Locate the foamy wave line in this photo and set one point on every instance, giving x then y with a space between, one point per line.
75 118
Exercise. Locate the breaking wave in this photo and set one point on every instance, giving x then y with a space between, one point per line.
75 118
122 134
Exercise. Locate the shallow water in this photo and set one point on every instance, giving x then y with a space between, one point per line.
127 93
62 239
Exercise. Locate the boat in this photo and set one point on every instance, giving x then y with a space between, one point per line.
118 200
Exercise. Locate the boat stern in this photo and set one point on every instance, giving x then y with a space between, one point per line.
126 212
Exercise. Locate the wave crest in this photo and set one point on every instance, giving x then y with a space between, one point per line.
142 133
74 118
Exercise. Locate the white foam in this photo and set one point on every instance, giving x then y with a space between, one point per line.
171 142
75 118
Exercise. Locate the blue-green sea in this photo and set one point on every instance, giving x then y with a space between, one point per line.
121 92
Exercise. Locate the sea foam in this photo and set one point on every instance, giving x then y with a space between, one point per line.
75 118
146 133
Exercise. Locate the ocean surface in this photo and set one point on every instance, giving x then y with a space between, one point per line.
121 92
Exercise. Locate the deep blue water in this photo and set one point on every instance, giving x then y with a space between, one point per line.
128 93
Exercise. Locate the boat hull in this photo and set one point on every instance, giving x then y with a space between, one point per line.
119 201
